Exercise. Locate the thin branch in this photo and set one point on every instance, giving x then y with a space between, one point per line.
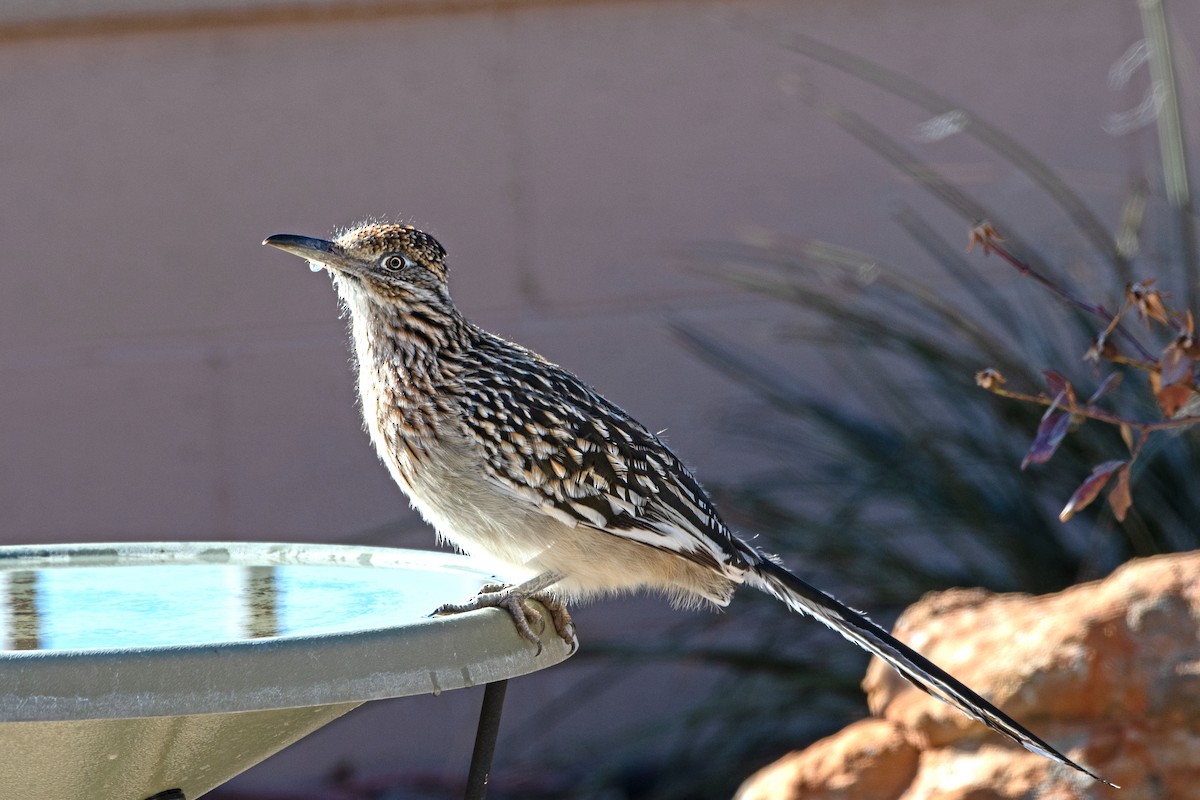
984 235
1092 412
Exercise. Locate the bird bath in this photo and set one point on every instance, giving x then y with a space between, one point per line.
130 671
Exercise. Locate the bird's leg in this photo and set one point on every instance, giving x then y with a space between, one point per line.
515 600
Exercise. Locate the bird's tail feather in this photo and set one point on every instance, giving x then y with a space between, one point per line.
775 580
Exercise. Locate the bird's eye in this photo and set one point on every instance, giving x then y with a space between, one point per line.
396 262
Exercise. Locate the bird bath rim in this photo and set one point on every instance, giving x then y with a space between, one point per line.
418 656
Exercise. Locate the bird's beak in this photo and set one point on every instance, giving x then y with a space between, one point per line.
318 252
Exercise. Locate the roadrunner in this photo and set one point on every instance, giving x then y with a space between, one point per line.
514 459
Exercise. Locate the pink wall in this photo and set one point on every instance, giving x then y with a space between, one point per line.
162 376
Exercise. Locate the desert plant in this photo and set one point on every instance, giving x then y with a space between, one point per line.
918 442
1168 374
906 478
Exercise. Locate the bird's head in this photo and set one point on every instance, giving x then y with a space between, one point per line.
387 263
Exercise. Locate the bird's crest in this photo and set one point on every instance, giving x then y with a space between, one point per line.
376 238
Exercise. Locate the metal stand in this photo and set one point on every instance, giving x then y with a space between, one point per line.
481 757
485 740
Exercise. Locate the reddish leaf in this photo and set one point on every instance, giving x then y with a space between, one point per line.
1049 435
1059 385
1107 385
1172 398
1089 490
1119 497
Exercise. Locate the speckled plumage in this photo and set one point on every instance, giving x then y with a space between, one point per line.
456 411
514 459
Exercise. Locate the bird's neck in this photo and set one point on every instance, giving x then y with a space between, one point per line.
406 354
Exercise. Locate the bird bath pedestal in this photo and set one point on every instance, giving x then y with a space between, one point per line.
131 671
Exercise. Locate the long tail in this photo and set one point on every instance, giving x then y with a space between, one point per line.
773 579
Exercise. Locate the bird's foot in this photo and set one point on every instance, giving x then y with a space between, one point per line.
524 616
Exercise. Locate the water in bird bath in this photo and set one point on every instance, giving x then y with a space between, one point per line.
133 605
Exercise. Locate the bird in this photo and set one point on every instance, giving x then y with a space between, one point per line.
514 459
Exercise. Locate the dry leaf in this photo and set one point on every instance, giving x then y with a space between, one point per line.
1175 364
1188 344
1059 386
984 235
1120 497
1112 381
1102 347
1089 490
1050 433
1148 301
1172 398
1126 435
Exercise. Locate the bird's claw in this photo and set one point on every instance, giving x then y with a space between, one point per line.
564 626
524 616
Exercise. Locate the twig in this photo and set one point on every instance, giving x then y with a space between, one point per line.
1092 412
985 235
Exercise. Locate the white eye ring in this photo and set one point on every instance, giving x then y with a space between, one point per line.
395 262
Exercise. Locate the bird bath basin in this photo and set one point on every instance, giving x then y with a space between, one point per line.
130 671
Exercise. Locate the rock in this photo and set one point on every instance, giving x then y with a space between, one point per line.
869 760
1108 672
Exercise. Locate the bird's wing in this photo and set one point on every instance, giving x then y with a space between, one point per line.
552 441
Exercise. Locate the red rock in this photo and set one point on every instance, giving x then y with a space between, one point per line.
869 760
1108 672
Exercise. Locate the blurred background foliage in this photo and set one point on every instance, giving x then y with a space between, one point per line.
904 477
